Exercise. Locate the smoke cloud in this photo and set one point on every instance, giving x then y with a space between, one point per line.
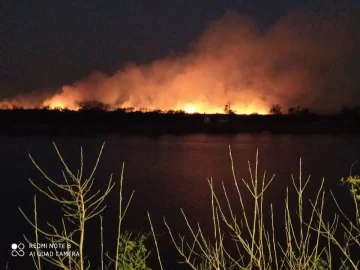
311 59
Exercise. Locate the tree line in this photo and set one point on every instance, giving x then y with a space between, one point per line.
95 105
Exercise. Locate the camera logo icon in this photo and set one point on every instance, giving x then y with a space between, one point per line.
18 250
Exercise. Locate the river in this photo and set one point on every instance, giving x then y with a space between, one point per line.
167 173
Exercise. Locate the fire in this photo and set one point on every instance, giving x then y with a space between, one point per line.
232 61
199 107
251 110
57 105
189 108
58 102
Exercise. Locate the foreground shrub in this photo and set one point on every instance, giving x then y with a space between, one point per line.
240 239
133 253
309 243
79 204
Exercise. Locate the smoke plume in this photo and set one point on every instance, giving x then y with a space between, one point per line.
311 59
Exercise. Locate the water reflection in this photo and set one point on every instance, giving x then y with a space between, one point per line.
171 172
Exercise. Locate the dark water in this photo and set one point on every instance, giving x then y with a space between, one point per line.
167 173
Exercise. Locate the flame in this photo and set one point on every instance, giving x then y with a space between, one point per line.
59 102
189 108
232 61
192 107
57 105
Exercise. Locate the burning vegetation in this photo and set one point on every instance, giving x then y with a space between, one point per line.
304 58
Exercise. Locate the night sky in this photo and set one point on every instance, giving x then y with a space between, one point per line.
48 44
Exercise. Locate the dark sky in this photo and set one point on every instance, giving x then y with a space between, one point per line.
48 44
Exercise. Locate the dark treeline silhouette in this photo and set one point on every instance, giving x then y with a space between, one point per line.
94 117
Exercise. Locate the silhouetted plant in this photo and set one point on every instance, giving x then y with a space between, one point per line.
305 112
180 112
292 111
143 110
45 108
64 109
129 109
93 105
276 109
300 112
156 111
120 110
228 109
17 107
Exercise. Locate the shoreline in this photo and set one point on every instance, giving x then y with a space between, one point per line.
60 123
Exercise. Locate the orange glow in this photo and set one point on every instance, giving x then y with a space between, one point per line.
57 105
70 96
199 107
251 110
59 102
190 109
231 61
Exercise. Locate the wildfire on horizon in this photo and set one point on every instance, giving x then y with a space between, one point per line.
292 63
58 103
189 108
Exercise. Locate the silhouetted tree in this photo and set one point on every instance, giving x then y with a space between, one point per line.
93 105
180 112
276 109
305 112
300 112
143 110
16 107
157 111
130 109
228 109
292 110
120 110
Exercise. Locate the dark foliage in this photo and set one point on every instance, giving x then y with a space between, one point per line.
228 109
96 120
276 109
93 105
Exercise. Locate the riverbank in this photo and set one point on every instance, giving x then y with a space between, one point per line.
52 122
